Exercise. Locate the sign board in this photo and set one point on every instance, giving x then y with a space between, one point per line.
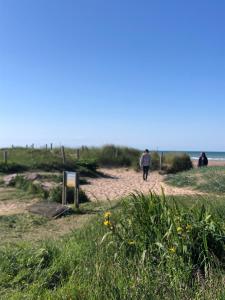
70 179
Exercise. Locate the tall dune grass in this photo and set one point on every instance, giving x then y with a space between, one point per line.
87 159
149 248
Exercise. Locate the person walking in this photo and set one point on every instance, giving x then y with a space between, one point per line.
203 160
145 161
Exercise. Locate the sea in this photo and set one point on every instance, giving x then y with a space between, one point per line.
210 155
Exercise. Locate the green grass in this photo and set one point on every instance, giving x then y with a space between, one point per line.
149 248
25 226
16 227
22 159
209 180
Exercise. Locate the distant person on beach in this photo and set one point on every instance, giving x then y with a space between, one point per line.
203 160
145 161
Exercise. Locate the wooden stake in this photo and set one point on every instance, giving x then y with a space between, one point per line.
76 190
78 153
161 160
63 154
64 190
116 153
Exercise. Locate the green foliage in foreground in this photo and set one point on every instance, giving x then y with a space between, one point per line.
207 179
150 248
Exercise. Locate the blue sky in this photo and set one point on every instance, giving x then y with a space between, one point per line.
139 73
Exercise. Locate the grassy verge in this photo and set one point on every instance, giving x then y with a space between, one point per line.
148 248
23 159
87 159
210 179
27 227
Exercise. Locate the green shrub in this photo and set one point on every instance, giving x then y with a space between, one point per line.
177 163
12 168
111 155
154 160
176 240
27 185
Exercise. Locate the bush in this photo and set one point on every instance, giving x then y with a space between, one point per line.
111 155
177 163
12 168
154 160
27 185
174 240
85 167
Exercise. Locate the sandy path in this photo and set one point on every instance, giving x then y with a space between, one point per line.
122 182
117 183
9 205
9 208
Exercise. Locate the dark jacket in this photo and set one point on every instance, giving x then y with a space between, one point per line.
203 161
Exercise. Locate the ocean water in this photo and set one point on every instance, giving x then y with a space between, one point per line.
210 155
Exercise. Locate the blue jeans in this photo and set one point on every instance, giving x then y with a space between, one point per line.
145 172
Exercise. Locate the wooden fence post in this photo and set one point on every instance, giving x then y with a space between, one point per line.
51 146
78 153
161 160
64 190
116 152
63 154
76 190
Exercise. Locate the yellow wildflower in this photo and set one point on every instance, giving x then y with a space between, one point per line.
172 250
107 223
188 227
107 214
131 242
179 229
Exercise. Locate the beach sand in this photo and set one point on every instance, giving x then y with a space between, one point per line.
122 182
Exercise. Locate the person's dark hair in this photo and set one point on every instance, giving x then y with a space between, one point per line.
203 154
146 150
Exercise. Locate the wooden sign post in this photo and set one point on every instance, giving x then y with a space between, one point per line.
71 179
64 190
